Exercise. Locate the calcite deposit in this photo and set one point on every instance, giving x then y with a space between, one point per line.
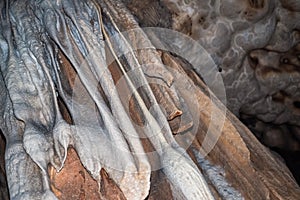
131 99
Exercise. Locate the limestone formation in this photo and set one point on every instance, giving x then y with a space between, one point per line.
97 105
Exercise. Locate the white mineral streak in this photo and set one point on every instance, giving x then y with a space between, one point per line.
187 182
183 174
135 182
216 175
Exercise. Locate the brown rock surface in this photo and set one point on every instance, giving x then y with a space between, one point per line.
254 44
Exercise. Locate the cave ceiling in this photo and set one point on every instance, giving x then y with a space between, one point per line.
75 75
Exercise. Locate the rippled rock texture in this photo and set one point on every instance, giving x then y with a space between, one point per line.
88 114
256 45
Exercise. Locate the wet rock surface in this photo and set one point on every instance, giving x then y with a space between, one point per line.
68 135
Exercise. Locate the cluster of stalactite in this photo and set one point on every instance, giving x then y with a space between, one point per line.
44 111
66 82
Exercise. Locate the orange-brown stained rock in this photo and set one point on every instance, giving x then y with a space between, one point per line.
109 190
74 182
160 187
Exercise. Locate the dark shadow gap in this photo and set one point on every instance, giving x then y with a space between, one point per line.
4 194
290 157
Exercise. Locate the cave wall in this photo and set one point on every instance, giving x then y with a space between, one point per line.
254 44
